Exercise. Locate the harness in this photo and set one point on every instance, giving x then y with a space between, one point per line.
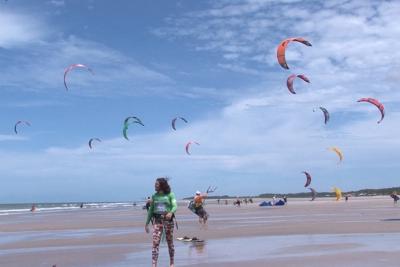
160 218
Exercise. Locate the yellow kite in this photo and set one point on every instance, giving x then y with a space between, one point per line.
338 193
338 152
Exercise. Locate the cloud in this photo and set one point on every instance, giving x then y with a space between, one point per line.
352 33
34 104
36 59
5 137
241 69
269 142
43 69
20 30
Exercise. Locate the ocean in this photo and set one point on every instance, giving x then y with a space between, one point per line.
20 208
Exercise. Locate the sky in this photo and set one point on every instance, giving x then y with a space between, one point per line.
213 63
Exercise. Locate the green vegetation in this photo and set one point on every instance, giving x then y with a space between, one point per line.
362 192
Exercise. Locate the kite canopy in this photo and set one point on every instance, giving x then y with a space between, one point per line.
338 193
174 121
133 119
125 131
308 181
71 67
376 103
129 121
20 122
91 140
326 114
188 146
280 52
338 152
290 81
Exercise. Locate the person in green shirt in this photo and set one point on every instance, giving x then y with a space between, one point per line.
162 209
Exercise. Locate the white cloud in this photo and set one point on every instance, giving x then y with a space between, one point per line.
5 137
268 141
40 66
20 29
44 67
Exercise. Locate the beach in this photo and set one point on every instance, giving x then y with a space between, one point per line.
364 231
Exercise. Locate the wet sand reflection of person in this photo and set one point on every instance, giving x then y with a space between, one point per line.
198 248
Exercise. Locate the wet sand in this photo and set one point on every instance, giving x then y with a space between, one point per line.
362 232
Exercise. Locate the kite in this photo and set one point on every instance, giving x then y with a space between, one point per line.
134 119
71 67
290 81
375 102
174 121
19 122
308 181
280 52
326 114
188 146
91 140
338 193
338 152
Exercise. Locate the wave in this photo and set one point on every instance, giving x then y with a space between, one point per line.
10 209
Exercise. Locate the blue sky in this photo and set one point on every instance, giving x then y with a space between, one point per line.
212 62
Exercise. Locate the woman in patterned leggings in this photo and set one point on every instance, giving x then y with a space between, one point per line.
161 212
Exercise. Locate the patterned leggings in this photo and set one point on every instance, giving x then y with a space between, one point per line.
157 231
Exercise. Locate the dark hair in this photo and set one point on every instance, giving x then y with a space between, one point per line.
164 186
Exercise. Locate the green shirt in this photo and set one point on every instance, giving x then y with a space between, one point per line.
161 204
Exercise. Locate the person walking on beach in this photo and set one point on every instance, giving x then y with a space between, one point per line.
395 197
237 202
162 210
33 208
198 202
148 203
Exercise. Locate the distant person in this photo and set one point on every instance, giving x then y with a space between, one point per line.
395 198
162 210
245 201
226 202
237 202
285 198
148 203
134 204
81 206
218 201
273 200
251 200
198 202
33 208
346 198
